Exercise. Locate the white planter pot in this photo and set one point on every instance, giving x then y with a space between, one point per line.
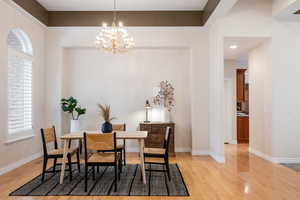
75 126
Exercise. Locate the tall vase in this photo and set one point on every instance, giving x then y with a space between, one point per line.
75 126
166 115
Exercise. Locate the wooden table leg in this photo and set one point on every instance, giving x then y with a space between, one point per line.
63 162
142 144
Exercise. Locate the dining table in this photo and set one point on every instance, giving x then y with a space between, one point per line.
140 136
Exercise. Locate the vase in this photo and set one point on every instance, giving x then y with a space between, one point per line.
106 127
166 115
75 126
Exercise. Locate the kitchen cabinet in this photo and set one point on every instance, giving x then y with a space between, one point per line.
240 85
242 129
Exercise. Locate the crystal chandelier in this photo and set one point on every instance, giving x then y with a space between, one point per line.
114 39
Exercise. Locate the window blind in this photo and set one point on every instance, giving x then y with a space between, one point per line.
19 92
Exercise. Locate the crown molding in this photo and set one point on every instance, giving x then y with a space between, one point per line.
209 9
129 18
35 9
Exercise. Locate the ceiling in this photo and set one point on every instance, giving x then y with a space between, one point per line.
128 5
244 45
287 10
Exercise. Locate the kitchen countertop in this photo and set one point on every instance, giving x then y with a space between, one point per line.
241 114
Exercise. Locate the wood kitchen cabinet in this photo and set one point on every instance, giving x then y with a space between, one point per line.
243 129
240 85
156 135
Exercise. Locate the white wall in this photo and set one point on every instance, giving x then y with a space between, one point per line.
286 98
260 103
230 101
192 41
125 81
14 154
253 18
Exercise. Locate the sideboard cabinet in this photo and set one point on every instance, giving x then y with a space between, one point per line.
156 135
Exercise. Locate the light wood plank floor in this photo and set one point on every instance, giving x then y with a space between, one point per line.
244 176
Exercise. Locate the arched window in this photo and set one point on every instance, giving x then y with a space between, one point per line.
20 57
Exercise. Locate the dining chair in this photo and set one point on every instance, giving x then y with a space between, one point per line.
94 145
49 136
160 153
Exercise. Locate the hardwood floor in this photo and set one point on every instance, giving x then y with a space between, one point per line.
244 176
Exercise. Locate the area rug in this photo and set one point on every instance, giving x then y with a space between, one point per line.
294 166
129 185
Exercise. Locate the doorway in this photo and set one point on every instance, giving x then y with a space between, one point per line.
238 118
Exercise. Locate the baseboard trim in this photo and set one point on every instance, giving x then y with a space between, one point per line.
179 150
19 163
200 153
274 159
233 142
182 150
219 159
285 160
260 154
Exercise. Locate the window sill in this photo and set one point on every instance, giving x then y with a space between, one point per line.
10 141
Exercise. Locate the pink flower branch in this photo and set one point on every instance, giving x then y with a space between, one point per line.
165 95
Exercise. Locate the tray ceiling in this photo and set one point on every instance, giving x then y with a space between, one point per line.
128 5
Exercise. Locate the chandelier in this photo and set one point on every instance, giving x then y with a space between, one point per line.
114 39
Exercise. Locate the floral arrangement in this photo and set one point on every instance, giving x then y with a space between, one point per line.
105 112
165 95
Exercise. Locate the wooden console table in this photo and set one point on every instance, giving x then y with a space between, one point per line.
156 134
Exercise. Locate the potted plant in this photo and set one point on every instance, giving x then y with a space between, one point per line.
165 98
70 105
105 115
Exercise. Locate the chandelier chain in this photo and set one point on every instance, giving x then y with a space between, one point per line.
115 11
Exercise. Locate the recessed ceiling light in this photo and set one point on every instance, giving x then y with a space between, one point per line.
233 47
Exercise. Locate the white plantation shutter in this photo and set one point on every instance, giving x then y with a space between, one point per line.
19 82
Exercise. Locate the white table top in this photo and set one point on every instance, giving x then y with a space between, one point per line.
119 135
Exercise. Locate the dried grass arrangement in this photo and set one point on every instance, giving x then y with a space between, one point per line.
105 112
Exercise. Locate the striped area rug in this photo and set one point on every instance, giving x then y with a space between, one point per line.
129 185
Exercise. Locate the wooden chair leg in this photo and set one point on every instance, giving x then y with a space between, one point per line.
78 161
44 168
70 166
86 178
167 167
54 165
